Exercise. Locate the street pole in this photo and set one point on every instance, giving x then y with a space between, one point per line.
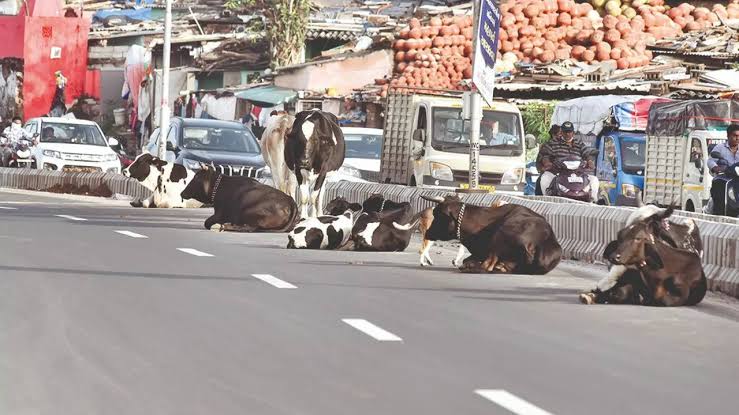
164 108
475 119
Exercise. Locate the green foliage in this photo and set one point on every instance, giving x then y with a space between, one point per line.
536 119
288 20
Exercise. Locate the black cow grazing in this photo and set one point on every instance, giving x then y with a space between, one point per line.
242 204
340 205
378 231
658 273
313 148
504 239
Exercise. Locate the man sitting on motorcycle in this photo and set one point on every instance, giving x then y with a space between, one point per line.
10 138
729 154
558 148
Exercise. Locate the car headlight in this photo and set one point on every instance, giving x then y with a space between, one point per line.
191 164
52 154
629 190
441 172
512 176
350 171
562 188
110 157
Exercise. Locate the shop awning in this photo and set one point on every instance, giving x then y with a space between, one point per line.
268 96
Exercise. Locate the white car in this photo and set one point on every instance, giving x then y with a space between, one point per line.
362 157
71 145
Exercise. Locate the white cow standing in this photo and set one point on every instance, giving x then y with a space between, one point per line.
314 147
273 152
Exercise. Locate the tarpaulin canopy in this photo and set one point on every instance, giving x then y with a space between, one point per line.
633 115
675 118
588 113
268 96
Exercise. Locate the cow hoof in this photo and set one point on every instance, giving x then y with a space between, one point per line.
216 227
587 298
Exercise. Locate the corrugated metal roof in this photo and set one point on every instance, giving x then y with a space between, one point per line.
625 85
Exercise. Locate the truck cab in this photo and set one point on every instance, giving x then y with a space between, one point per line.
620 167
426 143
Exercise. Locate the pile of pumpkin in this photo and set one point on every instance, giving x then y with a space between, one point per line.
439 54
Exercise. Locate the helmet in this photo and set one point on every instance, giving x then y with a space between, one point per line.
567 127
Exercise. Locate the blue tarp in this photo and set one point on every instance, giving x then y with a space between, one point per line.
130 14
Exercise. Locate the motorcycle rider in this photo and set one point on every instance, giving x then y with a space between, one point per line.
559 147
11 136
729 152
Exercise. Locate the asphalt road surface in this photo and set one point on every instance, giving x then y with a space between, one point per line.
106 309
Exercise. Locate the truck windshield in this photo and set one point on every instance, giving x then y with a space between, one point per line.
500 132
632 156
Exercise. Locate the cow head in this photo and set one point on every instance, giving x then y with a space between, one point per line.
635 243
446 213
146 168
314 135
201 185
340 205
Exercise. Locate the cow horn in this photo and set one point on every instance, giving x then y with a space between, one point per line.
435 199
399 227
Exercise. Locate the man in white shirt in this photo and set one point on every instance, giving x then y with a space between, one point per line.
10 138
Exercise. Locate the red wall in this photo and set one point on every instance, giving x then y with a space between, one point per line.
41 34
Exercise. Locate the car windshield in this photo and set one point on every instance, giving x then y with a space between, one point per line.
363 146
55 132
500 132
219 139
633 156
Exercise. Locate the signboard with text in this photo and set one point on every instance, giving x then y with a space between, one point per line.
486 49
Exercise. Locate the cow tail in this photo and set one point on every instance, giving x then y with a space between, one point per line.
698 292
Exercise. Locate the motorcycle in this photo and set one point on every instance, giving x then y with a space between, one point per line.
21 156
725 188
570 180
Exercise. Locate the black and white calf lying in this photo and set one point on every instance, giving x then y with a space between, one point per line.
323 232
166 181
377 231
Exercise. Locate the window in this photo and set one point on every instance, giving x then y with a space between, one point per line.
172 136
633 156
421 122
219 139
364 146
31 127
610 162
696 154
9 7
310 105
53 132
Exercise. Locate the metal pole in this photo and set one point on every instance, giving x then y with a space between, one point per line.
164 108
475 118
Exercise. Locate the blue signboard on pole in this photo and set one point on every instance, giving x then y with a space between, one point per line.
486 48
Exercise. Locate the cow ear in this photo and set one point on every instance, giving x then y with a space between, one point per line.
652 258
666 214
159 163
610 249
355 207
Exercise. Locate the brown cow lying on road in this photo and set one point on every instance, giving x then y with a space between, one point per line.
242 204
658 273
506 239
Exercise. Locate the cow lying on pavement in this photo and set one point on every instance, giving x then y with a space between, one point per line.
506 239
331 231
377 231
166 181
340 205
242 204
658 273
427 218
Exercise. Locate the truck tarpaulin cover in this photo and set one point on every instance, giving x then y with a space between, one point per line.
633 115
673 119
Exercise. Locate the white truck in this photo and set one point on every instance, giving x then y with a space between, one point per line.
680 137
426 143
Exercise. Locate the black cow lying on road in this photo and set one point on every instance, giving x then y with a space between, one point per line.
242 204
378 203
504 239
376 231
340 205
658 273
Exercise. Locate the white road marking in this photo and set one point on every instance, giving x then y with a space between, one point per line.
75 218
193 252
132 234
511 402
8 208
274 281
371 330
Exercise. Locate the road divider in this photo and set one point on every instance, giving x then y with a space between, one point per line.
372 330
132 234
511 402
273 281
582 229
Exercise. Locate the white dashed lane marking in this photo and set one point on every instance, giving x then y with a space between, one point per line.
132 234
273 281
194 252
74 218
372 330
511 402
7 208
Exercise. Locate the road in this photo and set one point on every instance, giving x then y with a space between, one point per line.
168 318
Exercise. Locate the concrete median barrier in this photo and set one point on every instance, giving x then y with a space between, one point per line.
582 229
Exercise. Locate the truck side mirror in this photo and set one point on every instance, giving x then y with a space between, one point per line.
530 141
419 135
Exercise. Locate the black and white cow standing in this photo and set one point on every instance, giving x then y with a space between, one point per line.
166 181
314 147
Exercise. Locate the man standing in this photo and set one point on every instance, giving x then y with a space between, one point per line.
559 148
10 138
